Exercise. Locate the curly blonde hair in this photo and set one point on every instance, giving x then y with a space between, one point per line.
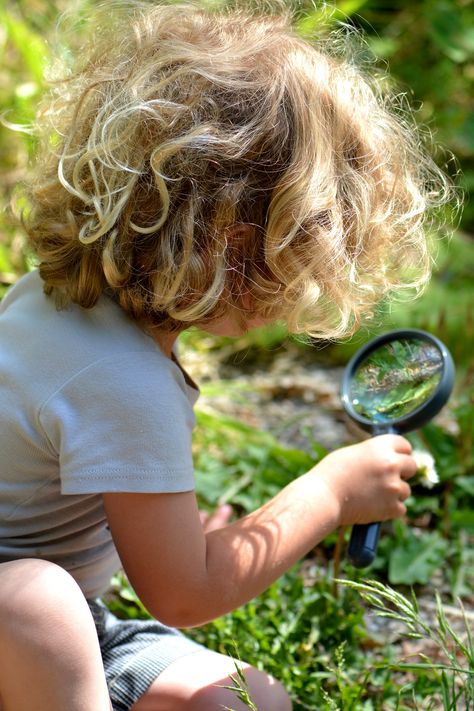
194 159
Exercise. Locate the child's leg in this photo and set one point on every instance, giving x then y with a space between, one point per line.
193 683
50 656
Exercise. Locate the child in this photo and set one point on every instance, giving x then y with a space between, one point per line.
196 168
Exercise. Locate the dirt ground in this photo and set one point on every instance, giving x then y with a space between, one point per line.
295 399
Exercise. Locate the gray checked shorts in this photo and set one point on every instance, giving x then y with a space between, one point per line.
135 652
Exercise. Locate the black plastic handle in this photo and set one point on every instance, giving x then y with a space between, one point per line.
363 544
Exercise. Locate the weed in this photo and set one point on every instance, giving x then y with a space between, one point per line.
239 684
451 660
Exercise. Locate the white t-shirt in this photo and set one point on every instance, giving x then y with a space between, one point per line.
88 404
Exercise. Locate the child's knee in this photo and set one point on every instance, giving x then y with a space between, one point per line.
32 577
197 682
45 616
266 693
33 589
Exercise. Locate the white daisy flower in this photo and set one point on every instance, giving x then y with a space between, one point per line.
426 474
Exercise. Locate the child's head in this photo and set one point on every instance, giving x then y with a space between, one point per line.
201 159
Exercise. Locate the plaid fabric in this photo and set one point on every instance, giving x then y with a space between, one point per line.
135 652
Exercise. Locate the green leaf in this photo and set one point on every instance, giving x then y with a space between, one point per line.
415 559
462 519
466 483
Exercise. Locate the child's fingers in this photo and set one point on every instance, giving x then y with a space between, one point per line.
405 491
204 516
397 442
218 519
408 467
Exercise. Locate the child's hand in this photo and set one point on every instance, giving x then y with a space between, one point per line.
369 479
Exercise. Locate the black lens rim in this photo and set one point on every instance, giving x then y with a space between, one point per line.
422 414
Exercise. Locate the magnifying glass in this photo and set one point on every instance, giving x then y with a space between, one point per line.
396 383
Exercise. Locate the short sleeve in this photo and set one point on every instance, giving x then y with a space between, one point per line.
122 424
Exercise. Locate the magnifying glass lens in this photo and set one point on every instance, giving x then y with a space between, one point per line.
396 379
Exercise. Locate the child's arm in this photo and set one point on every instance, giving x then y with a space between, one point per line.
186 578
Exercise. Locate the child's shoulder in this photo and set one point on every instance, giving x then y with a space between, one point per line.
57 344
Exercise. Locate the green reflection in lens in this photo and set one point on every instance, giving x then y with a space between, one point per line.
396 379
